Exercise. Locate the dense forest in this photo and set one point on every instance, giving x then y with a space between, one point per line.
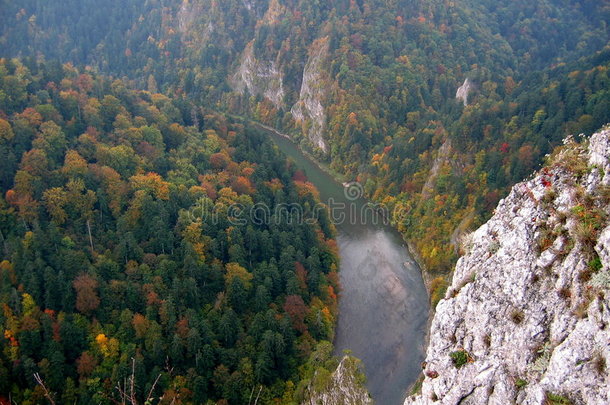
385 73
129 260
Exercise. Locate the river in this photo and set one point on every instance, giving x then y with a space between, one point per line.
383 306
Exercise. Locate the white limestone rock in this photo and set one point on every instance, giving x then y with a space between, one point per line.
309 107
343 387
521 303
464 90
259 77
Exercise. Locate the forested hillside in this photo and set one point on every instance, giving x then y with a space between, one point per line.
367 85
370 85
131 270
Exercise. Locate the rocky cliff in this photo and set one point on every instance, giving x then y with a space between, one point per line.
259 77
264 76
463 91
527 317
309 110
344 386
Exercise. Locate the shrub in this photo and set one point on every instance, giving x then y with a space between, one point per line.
595 264
564 293
556 399
520 383
600 364
487 340
604 194
549 196
589 222
416 389
585 275
582 310
562 217
546 239
459 358
572 159
543 356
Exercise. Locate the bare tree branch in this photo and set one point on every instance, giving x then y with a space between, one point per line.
257 395
150 393
47 393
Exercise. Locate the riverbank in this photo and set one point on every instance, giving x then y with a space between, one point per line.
426 276
323 166
383 297
342 179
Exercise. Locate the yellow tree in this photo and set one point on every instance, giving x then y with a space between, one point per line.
6 132
55 200
234 270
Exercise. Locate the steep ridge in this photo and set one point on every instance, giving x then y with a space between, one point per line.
259 77
309 110
526 317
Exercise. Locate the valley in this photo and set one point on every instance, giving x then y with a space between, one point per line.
220 202
383 304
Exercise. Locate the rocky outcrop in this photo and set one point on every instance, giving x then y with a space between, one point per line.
256 76
249 4
527 317
309 110
442 157
263 78
463 91
187 15
194 21
344 386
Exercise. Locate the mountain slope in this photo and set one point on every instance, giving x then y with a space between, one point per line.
367 85
526 317
130 250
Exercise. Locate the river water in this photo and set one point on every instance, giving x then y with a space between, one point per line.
383 305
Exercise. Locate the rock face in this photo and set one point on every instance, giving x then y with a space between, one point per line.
187 14
342 388
263 78
309 108
194 21
442 156
463 91
527 317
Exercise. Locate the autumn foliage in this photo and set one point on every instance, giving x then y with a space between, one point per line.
122 252
87 300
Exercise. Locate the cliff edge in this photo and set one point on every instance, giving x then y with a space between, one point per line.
527 317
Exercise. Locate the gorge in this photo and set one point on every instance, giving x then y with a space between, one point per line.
130 131
383 305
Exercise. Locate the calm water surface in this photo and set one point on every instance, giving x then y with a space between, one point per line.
383 306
